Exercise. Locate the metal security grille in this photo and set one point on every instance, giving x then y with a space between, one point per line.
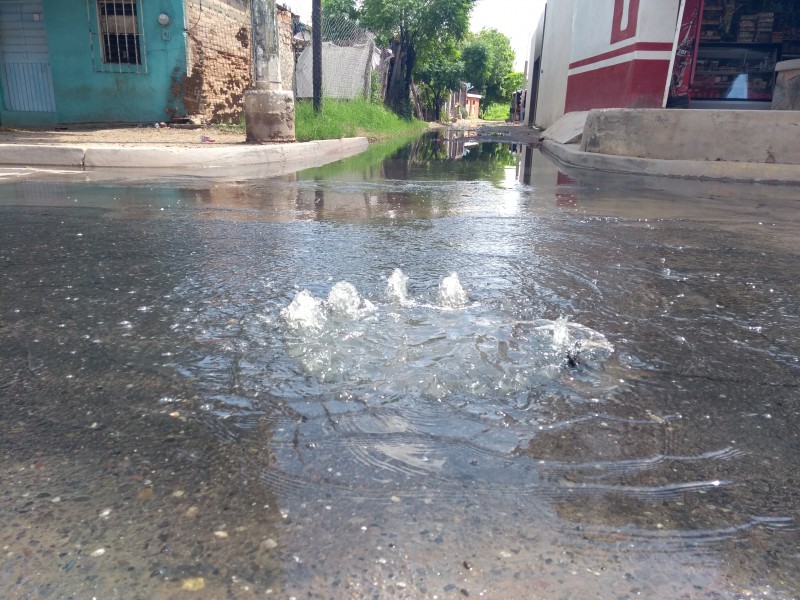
118 40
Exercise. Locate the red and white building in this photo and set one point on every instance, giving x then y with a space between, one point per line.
655 53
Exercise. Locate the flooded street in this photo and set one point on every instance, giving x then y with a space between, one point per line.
436 371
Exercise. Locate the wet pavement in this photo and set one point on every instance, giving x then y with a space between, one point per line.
442 370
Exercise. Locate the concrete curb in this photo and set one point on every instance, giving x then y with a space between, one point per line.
570 155
304 154
36 155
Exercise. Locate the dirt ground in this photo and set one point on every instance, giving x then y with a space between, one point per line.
182 137
132 136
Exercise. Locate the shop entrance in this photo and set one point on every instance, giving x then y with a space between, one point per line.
739 43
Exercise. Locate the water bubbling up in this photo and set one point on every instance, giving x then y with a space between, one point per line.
452 347
451 294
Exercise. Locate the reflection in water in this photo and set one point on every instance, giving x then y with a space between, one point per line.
400 376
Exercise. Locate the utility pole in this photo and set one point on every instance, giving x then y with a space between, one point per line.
316 53
268 109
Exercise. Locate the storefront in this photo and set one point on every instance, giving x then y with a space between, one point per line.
736 47
718 54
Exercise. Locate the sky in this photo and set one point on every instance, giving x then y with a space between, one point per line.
515 18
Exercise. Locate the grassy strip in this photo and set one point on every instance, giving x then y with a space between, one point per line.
350 118
496 111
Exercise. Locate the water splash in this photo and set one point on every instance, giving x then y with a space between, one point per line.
344 300
560 334
397 288
451 294
305 312
354 347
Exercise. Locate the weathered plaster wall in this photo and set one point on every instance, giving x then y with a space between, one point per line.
219 57
85 95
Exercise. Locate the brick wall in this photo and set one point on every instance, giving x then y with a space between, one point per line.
218 61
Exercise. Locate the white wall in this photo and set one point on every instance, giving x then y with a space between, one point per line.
577 30
531 80
556 51
594 20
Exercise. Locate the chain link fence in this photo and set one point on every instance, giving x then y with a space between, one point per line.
352 65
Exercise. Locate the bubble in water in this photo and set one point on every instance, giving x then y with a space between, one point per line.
397 287
451 294
305 312
343 299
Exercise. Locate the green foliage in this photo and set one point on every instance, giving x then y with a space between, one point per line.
488 60
497 111
340 8
475 55
511 83
415 29
422 23
437 74
349 118
375 87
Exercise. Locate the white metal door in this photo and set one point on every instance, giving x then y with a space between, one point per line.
25 73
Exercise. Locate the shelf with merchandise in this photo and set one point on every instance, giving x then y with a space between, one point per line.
735 71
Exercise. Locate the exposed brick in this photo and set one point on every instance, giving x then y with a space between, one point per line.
219 61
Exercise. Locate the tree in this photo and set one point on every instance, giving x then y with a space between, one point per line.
513 82
437 74
340 8
488 60
413 28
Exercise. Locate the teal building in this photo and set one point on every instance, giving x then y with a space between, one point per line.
91 61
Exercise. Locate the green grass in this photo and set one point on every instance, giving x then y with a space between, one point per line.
350 118
497 111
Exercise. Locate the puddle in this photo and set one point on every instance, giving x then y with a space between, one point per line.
413 378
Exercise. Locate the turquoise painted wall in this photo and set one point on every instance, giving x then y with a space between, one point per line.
84 95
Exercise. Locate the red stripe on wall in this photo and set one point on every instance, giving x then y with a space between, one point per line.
634 84
617 33
630 49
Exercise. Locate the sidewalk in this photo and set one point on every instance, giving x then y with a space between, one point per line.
735 146
167 150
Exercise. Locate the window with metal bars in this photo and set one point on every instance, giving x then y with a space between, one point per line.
119 36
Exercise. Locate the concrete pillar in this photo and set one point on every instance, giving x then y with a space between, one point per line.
268 109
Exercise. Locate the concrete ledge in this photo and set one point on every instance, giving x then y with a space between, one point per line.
182 159
570 155
216 157
749 136
35 155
